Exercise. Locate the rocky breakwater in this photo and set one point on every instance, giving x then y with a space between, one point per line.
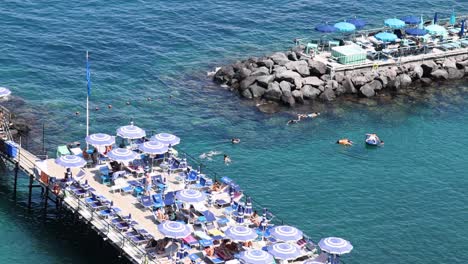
292 78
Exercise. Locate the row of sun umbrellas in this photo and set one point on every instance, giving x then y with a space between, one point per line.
350 25
281 250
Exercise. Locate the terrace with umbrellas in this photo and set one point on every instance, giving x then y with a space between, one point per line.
171 212
349 42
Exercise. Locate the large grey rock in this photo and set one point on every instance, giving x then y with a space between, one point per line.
298 83
325 77
244 84
314 81
440 74
265 80
278 69
243 73
273 92
367 90
383 79
328 95
310 92
339 77
285 86
257 91
287 98
449 63
348 85
417 72
375 85
402 81
224 74
298 97
292 56
333 84
279 58
462 64
266 63
317 68
428 67
298 66
261 71
426 81
247 94
340 90
359 80
287 75
454 73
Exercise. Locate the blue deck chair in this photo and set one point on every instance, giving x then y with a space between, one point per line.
169 198
157 200
174 165
158 183
191 177
146 201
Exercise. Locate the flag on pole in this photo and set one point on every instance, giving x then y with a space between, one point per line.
88 75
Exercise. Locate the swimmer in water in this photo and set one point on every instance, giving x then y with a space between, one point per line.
235 140
344 142
227 159
292 121
313 115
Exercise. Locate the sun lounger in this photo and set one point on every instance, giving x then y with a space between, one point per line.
192 177
169 198
202 236
109 212
191 241
139 239
118 185
146 201
157 200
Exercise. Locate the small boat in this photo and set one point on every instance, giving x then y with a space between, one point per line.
373 140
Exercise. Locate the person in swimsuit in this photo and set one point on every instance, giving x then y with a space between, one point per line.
345 142
227 159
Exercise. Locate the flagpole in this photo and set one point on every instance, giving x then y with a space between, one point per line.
87 97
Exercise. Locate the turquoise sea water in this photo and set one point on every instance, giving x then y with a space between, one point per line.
403 203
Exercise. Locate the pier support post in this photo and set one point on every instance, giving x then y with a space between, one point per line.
16 179
30 191
46 198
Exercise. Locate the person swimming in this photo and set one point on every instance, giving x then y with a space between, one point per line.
235 140
292 121
344 142
227 159
313 115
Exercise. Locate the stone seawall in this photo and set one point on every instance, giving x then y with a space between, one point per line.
293 78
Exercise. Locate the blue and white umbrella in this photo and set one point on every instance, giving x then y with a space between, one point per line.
174 229
386 36
248 206
4 92
286 233
436 30
335 245
131 132
122 155
394 23
153 147
241 233
284 251
239 215
190 196
311 261
256 256
100 139
345 27
70 161
166 138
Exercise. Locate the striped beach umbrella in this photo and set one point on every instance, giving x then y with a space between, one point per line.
4 92
100 139
174 229
240 233
286 233
131 132
248 206
284 251
70 161
153 147
190 196
166 138
239 215
256 256
335 245
122 155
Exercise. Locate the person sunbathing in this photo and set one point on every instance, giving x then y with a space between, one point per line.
209 251
216 187
344 142
248 244
161 246
160 215
255 219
